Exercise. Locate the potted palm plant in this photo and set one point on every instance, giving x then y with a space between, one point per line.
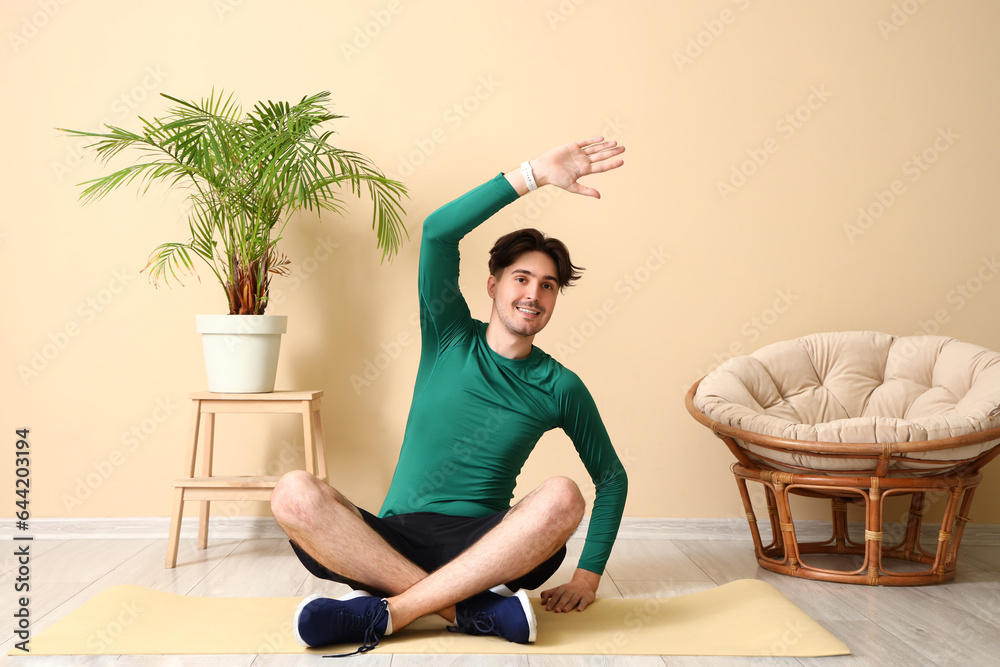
245 174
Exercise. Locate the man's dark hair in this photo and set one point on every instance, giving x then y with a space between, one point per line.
511 246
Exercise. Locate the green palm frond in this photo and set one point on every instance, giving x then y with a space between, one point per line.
246 173
169 259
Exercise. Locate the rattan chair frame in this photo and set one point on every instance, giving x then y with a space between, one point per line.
870 488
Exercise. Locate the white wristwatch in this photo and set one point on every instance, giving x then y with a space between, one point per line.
529 176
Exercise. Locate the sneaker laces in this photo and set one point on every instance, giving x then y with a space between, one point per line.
482 624
369 622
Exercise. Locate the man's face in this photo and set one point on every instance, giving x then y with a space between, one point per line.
525 294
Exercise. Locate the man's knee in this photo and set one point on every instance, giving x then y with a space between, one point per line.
565 498
295 495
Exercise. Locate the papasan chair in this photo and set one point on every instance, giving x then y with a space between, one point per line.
858 417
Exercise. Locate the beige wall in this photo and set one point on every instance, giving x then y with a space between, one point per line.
755 133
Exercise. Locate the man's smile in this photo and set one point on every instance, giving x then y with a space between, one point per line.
528 311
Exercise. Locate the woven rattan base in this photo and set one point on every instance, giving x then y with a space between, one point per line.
879 561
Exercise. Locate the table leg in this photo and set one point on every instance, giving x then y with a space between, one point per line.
206 471
175 527
308 435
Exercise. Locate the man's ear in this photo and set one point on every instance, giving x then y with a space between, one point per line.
491 285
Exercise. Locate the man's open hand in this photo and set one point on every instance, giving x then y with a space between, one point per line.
564 165
577 594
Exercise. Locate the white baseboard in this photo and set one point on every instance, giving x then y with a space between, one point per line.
808 530
266 527
144 528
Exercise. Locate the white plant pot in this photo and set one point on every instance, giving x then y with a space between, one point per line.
241 351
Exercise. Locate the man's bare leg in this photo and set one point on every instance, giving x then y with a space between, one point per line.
534 529
322 521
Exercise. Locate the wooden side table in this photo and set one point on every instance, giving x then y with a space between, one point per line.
208 487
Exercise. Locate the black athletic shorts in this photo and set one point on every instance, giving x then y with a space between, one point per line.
430 540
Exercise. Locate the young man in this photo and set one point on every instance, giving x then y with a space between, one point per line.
446 540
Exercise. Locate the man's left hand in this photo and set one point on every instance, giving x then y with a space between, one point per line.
577 594
565 165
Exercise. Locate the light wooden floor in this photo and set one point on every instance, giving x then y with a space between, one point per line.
953 624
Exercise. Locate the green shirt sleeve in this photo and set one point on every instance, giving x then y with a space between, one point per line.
583 424
442 307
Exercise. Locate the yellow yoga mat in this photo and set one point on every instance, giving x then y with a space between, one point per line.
742 618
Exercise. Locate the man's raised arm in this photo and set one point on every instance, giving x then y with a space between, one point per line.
561 167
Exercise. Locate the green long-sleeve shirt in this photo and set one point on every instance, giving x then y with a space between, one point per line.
475 414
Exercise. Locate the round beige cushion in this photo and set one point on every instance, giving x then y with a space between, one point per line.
859 387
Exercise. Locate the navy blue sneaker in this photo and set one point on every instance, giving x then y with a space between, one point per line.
490 614
355 617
